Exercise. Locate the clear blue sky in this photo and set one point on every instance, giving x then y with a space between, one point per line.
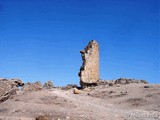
40 40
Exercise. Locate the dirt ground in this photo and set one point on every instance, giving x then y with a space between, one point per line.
118 102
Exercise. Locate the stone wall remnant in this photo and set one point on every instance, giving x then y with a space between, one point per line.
89 71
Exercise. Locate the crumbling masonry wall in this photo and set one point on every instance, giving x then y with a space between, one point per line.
89 71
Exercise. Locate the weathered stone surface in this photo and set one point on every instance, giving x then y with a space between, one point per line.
8 94
8 87
128 81
32 87
102 82
89 71
48 85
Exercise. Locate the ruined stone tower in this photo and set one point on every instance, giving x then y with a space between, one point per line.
89 71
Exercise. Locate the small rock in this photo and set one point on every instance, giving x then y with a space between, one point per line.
110 84
146 86
76 91
44 117
118 85
110 92
67 117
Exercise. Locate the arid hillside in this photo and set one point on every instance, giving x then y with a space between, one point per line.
121 99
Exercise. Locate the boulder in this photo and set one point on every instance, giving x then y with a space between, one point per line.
102 82
8 88
48 85
32 87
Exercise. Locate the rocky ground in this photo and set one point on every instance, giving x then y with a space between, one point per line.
123 99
